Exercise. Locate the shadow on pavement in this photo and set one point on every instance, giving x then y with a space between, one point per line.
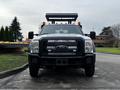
60 75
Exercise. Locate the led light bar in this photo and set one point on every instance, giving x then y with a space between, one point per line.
61 17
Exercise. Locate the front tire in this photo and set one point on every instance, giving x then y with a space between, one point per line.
90 70
33 70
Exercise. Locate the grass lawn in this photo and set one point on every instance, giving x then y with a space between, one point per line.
108 50
10 61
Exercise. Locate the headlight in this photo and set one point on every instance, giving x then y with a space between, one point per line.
88 46
34 47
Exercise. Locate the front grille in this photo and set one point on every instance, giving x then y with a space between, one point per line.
60 47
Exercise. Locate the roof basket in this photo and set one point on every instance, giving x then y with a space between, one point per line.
69 17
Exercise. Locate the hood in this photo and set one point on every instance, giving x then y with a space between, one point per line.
60 36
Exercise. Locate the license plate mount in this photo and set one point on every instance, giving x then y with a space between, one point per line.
61 61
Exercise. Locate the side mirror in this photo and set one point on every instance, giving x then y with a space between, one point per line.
30 35
93 35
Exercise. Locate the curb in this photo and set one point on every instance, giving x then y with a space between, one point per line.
13 71
107 53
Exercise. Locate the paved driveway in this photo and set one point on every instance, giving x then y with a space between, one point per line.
107 76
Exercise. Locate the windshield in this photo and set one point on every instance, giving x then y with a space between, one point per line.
61 29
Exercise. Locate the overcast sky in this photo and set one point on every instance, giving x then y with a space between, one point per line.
93 14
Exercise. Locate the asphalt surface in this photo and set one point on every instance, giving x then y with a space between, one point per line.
107 76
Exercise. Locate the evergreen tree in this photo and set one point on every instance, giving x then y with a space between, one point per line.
20 36
15 29
2 34
6 34
11 38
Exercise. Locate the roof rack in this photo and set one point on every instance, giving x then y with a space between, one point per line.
69 17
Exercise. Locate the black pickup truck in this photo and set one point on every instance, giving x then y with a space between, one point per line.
61 45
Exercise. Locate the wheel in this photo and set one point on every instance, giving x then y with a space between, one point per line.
33 70
90 70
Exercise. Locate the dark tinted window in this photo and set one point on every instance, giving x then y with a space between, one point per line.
61 29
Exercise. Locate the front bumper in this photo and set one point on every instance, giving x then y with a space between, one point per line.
76 61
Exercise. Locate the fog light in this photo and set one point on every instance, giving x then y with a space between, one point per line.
74 50
49 50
